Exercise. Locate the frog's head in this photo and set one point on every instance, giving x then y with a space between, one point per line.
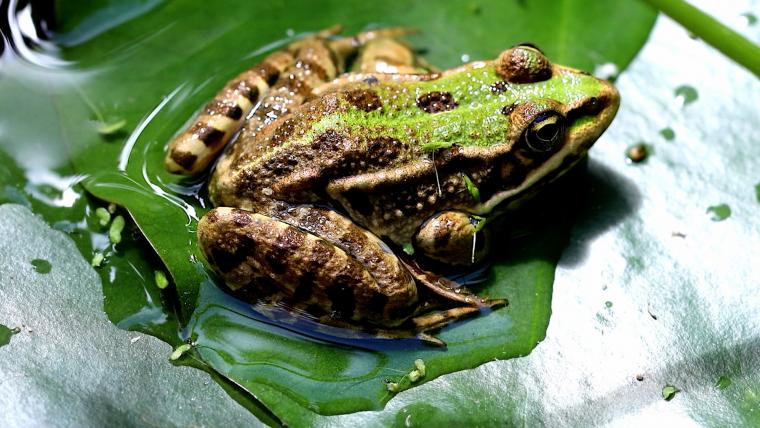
554 115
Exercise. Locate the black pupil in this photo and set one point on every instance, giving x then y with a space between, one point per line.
547 132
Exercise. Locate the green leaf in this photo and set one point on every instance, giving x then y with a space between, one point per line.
622 249
164 206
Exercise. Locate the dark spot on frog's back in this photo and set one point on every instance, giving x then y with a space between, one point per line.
499 87
507 110
249 91
269 72
313 67
364 99
320 254
231 251
303 290
217 107
288 241
329 140
436 102
378 301
381 151
296 85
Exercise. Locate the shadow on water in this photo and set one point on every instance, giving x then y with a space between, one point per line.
606 198
578 207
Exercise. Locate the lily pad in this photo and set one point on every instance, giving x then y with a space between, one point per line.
153 63
156 96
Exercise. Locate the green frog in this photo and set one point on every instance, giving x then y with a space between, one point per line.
336 165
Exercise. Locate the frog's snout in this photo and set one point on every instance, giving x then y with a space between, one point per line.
589 117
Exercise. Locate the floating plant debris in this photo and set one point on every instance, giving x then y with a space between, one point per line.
41 265
719 212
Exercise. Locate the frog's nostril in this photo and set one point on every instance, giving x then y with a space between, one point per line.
592 106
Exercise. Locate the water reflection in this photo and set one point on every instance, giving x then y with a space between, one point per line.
27 36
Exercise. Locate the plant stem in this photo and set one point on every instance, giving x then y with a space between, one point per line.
726 40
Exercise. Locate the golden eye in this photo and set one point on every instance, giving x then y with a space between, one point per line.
545 132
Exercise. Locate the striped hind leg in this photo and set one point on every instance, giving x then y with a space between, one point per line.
312 255
197 146
192 150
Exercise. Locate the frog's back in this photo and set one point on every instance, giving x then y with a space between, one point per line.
295 158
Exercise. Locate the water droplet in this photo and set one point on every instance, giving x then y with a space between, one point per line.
719 212
41 266
465 58
668 134
685 95
638 152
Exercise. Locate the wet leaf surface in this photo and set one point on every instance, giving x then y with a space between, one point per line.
642 240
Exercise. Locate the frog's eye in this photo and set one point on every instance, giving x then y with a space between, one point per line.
545 132
523 64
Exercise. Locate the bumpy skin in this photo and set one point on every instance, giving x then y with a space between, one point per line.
392 151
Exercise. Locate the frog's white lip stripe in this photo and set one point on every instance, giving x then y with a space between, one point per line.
553 164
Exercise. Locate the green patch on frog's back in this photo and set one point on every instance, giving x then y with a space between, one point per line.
477 119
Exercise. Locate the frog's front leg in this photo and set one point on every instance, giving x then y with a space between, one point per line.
314 256
453 237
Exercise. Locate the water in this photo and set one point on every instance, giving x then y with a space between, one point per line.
35 169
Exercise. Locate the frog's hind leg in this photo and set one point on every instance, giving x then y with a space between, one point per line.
192 150
307 62
313 65
313 255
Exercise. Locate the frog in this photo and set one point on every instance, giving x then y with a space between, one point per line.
354 165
